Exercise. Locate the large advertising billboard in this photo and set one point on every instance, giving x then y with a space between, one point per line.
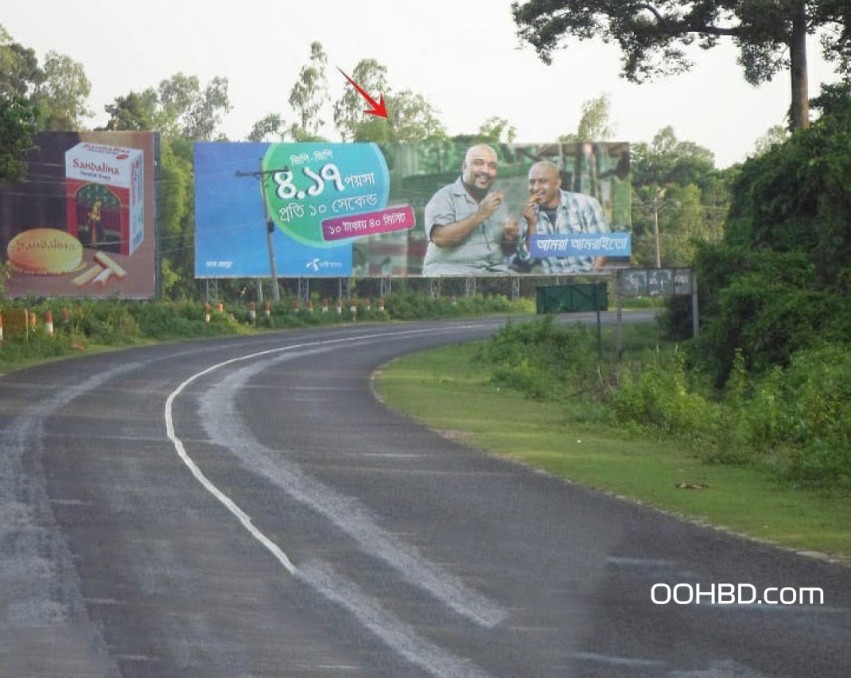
82 221
451 208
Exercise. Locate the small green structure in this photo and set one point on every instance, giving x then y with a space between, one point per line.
572 298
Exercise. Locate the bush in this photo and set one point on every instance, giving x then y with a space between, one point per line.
657 397
541 359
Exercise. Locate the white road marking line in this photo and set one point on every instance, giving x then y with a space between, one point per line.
399 637
223 425
199 475
392 630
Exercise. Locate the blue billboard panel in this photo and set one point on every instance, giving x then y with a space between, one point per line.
431 209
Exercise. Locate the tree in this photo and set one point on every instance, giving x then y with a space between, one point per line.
186 110
309 95
411 119
677 188
654 36
20 74
136 111
18 125
666 160
177 218
595 123
775 135
781 279
63 93
266 128
496 129
59 90
349 108
183 112
178 109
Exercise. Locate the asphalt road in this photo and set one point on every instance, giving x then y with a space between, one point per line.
246 507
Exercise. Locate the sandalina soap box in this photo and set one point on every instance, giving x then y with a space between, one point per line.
104 196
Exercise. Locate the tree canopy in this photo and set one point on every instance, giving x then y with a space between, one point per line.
309 94
178 108
780 280
654 37
18 125
34 98
349 108
595 123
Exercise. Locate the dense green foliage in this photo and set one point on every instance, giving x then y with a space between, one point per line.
780 281
794 422
18 124
541 359
80 325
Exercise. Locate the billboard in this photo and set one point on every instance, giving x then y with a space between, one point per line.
322 209
82 221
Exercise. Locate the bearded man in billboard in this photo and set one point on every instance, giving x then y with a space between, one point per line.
468 226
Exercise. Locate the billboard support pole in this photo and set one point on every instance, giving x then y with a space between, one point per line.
268 223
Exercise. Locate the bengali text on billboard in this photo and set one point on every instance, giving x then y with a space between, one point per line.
317 209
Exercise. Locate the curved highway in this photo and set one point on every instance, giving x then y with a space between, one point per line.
246 507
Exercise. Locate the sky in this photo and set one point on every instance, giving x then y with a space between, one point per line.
464 57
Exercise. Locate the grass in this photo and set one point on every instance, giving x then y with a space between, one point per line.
448 392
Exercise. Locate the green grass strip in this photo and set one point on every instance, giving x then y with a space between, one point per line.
444 390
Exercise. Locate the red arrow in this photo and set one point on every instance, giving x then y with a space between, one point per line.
378 107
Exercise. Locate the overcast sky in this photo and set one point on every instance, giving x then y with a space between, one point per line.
464 57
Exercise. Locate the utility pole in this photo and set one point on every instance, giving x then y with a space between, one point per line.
268 223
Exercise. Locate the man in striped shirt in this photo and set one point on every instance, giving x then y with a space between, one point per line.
551 210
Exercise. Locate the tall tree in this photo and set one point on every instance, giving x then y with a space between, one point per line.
177 212
781 280
135 111
20 76
677 193
595 123
775 135
63 93
18 125
58 90
20 73
411 119
309 94
654 36
267 128
183 112
667 160
188 111
178 108
349 108
496 129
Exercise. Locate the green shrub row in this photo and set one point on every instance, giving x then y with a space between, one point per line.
117 322
794 421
